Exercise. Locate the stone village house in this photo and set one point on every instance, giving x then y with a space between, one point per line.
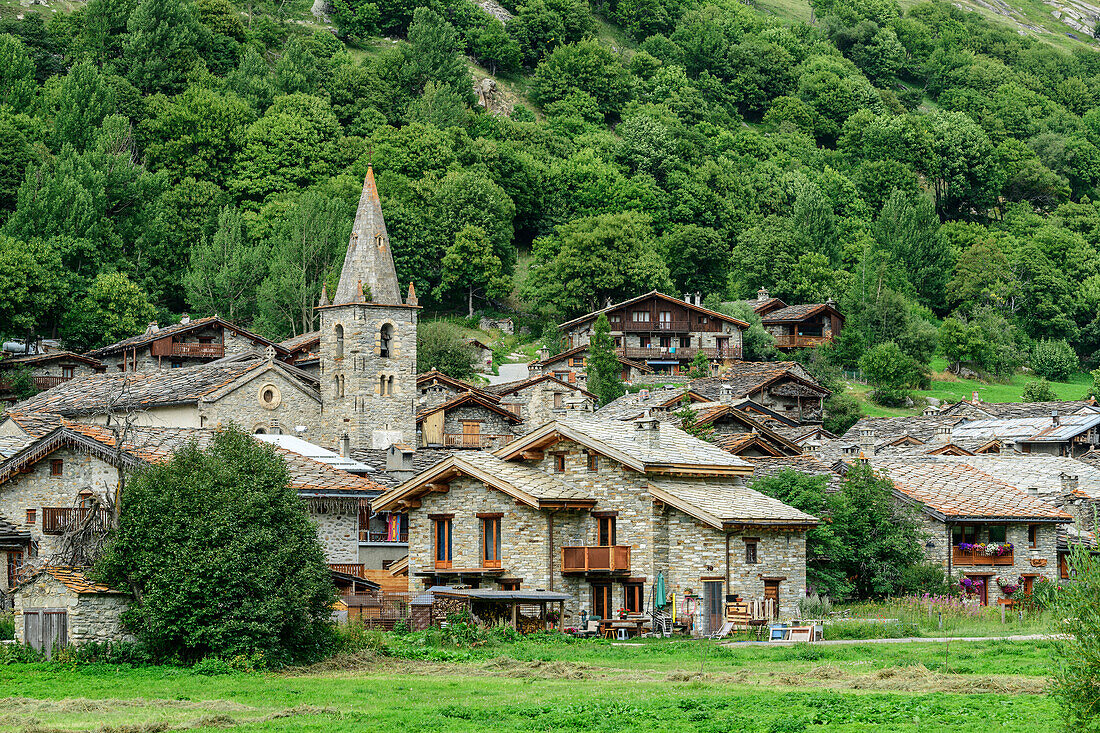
804 326
47 370
56 607
597 509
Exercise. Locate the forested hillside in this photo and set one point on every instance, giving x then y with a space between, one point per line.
930 171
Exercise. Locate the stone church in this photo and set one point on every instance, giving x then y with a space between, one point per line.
368 342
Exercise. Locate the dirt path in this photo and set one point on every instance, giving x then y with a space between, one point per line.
904 640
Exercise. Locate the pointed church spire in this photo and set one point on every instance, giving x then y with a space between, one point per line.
368 264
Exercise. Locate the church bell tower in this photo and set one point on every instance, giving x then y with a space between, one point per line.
368 341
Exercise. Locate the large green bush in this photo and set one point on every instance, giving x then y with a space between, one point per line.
221 557
1054 359
1077 651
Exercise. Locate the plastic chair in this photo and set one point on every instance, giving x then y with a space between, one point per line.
623 635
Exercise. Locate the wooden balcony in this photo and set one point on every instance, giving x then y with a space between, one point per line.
793 341
204 351
681 353
592 559
348 568
49 382
474 440
57 520
664 327
366 536
969 557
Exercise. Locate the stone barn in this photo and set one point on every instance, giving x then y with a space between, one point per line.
60 606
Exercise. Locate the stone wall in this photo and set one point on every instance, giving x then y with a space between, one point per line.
338 532
92 617
492 423
55 369
246 407
37 489
1039 560
374 417
537 404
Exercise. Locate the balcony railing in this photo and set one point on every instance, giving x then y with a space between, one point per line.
969 557
477 440
215 351
348 568
367 536
791 341
587 558
665 327
57 520
686 353
49 382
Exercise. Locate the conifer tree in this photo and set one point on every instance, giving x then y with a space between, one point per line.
603 365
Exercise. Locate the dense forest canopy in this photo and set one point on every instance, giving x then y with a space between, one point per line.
930 171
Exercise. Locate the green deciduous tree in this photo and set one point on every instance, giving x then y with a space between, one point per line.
1038 390
225 270
1054 359
471 267
1077 650
604 372
221 557
584 66
890 371
163 42
34 283
17 84
441 345
697 258
114 308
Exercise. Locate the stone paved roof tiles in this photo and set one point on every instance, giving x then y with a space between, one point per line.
75 580
723 502
49 356
176 328
1017 409
763 467
794 312
747 377
541 485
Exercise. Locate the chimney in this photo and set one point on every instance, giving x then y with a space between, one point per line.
1069 483
698 298
762 295
943 434
1032 491
687 298
867 441
345 445
544 354
185 319
1055 418
725 394
647 430
153 327
974 398
324 295
399 462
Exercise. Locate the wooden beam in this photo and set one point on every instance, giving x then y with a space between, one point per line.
531 455
437 488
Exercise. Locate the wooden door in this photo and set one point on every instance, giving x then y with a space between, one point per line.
602 605
433 428
471 433
712 605
771 592
1029 585
46 630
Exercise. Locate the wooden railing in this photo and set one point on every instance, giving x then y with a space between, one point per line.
679 352
367 536
56 520
349 568
478 440
969 557
49 382
791 341
588 558
215 351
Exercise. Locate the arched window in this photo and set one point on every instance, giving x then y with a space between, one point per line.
339 385
261 431
385 340
339 341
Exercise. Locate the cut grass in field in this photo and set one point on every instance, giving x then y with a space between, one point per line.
540 685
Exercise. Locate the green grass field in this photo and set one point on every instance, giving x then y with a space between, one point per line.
544 685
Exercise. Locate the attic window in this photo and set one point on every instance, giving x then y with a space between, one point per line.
32 516
56 466
559 463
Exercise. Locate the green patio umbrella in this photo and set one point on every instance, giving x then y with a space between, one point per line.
659 600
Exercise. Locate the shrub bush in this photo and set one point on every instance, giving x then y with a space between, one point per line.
1038 390
1054 359
7 625
1077 651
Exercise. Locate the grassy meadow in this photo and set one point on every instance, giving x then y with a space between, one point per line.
553 685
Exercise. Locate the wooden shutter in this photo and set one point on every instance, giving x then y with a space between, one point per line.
55 631
32 629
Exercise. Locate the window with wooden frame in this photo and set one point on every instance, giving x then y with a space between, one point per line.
593 461
557 400
442 532
67 372
605 531
752 556
634 597
32 516
490 540
640 316
998 533
559 463
57 466
1033 535
509 585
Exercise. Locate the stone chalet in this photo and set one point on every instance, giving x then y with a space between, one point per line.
261 395
798 326
961 507
483 355
469 420
57 607
596 509
975 409
186 343
541 399
571 366
53 480
47 370
765 387
663 332
303 352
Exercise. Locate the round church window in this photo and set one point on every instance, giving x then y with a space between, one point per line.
269 396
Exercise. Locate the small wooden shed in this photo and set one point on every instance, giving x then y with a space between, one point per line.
57 607
526 610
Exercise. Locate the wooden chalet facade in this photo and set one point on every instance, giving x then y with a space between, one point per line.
798 326
663 332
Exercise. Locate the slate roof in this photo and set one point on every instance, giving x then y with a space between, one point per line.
34 423
49 356
596 314
301 341
632 404
951 489
795 313
74 579
747 377
175 329
474 398
622 441
12 536
93 394
763 467
1036 471
719 502
423 459
640 366
1028 429
966 408
518 385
